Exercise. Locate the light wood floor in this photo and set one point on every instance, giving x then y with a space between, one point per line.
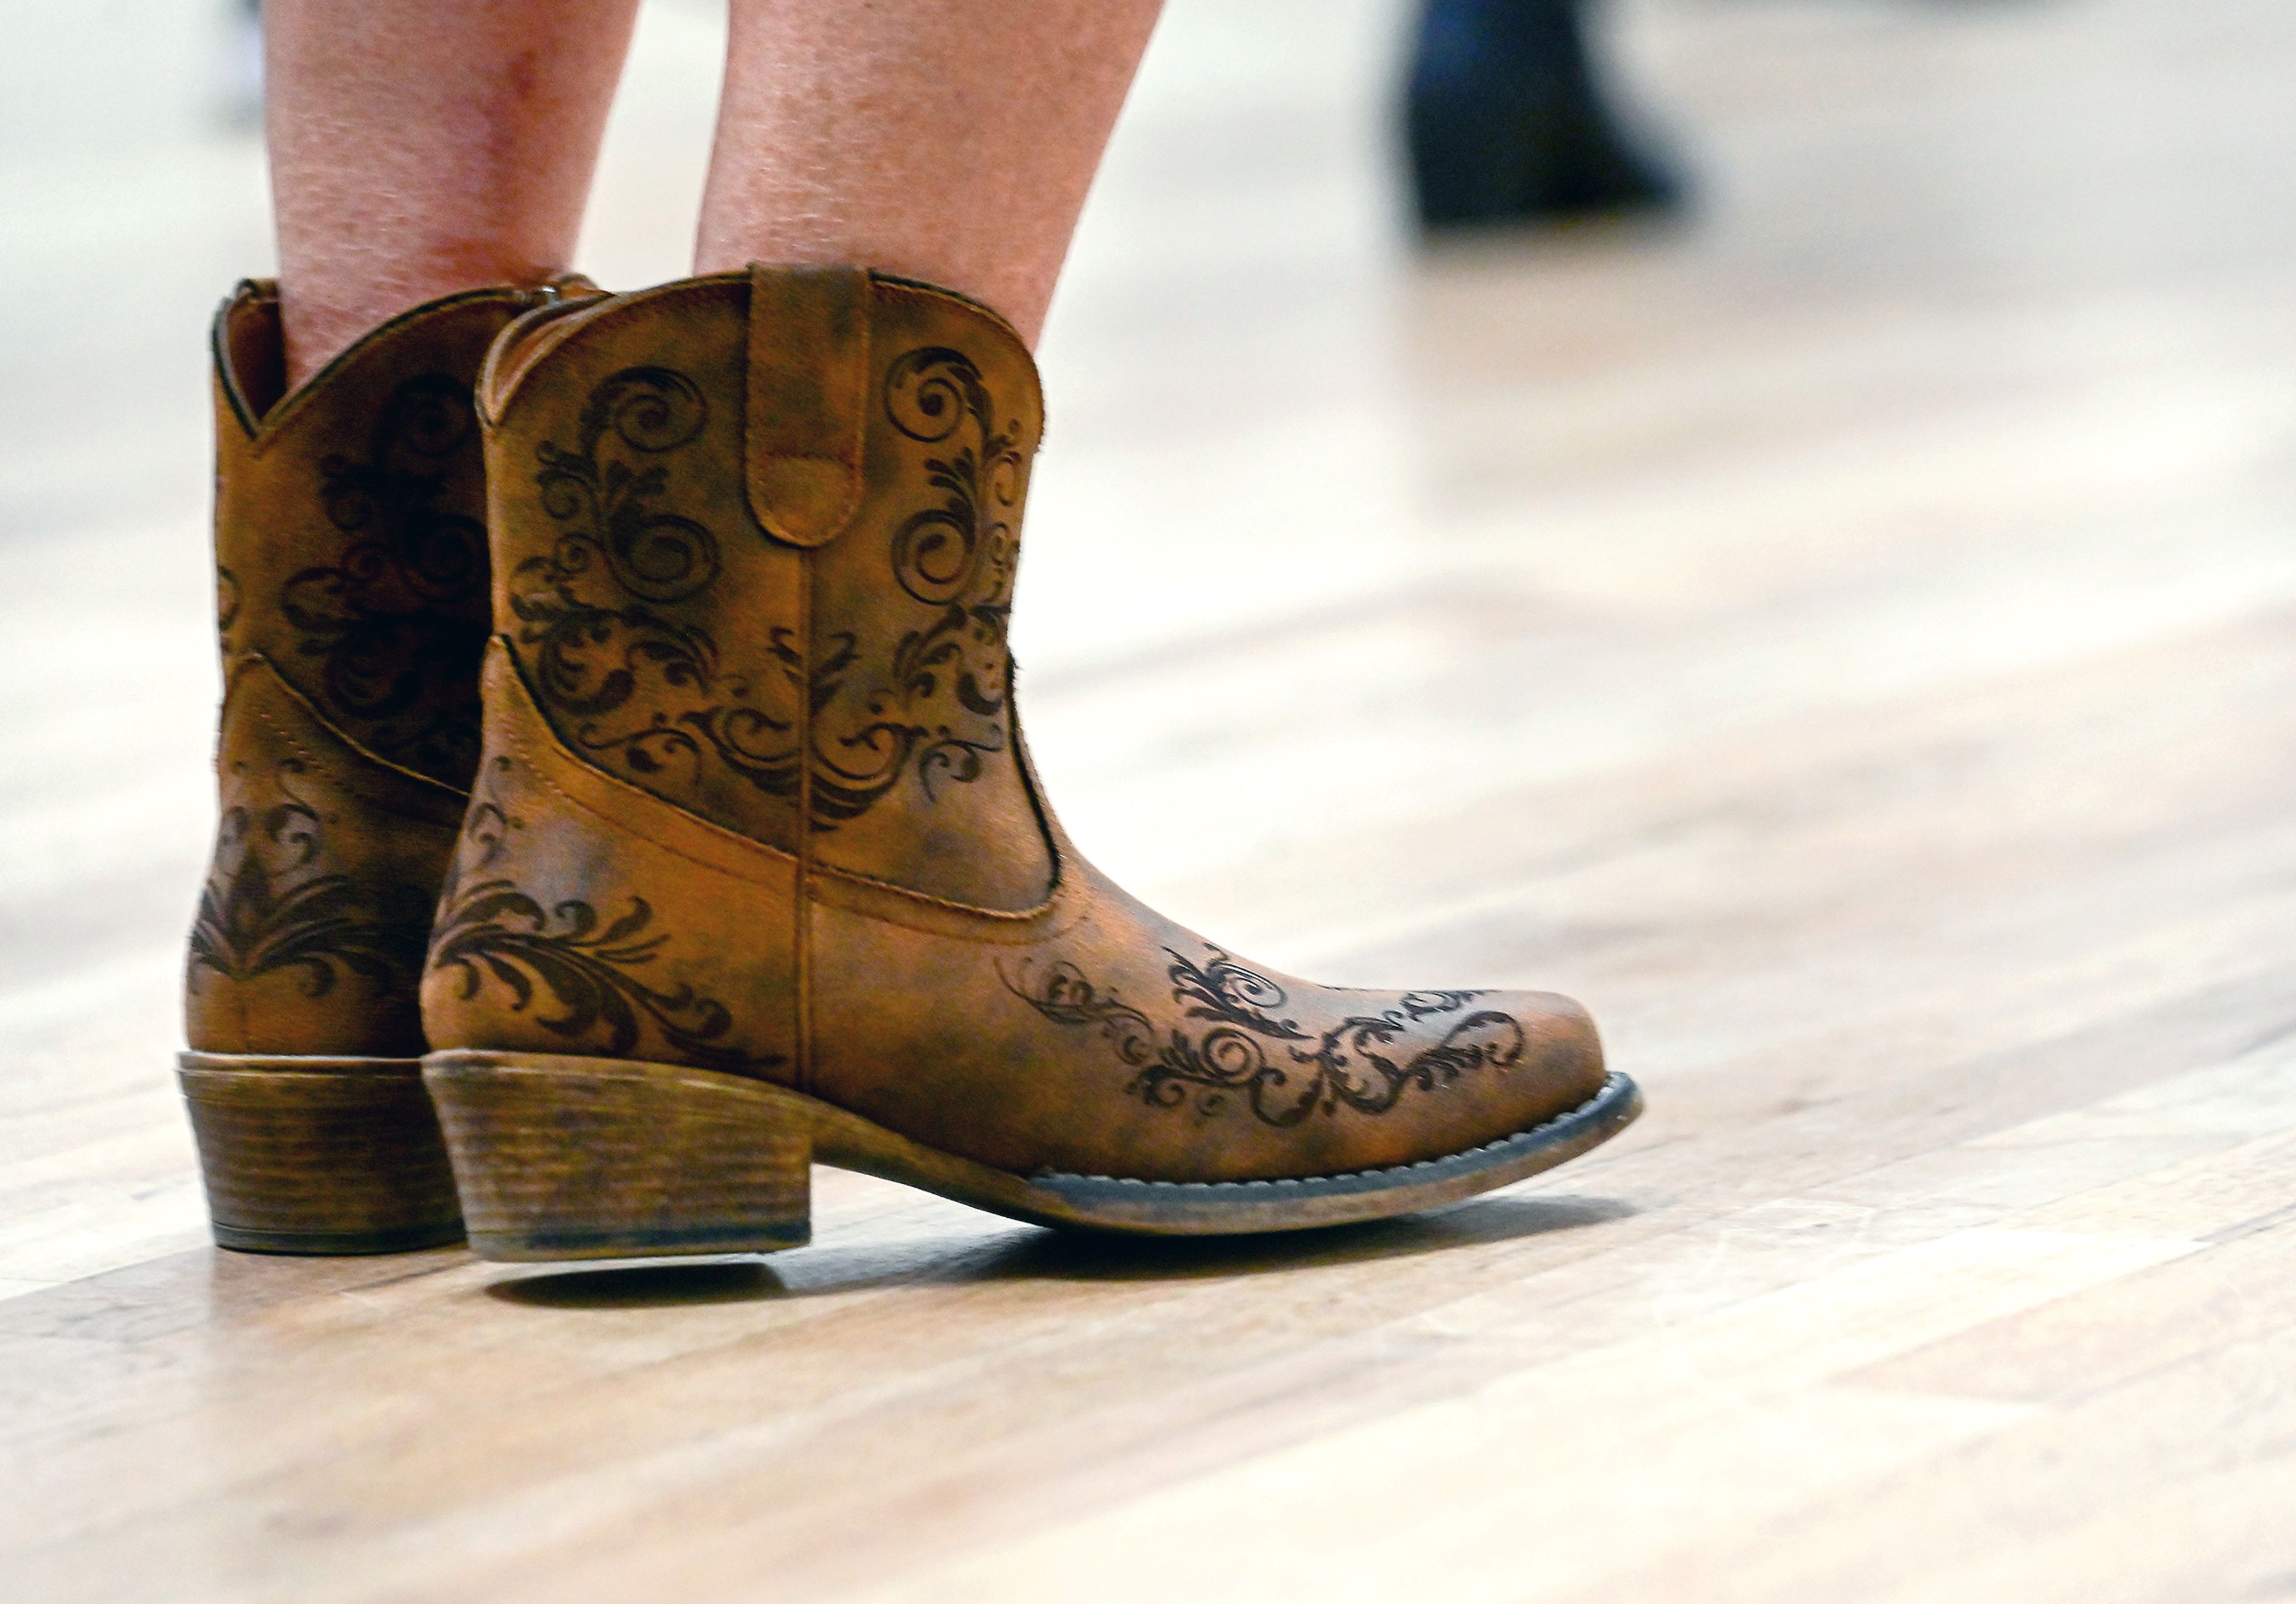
1851 642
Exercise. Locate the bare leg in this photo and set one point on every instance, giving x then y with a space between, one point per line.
950 140
419 147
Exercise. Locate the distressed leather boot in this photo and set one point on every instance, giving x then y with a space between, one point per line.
757 873
352 602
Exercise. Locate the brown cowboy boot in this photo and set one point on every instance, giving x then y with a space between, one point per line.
351 587
756 873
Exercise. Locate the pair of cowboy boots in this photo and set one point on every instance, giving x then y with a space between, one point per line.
618 758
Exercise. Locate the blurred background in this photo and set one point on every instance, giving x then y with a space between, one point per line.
1357 564
1841 625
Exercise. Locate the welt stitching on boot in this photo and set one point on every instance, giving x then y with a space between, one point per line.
352 607
756 871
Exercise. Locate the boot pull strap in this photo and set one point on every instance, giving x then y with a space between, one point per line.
808 383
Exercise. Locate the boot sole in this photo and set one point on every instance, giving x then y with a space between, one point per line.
563 1157
319 1154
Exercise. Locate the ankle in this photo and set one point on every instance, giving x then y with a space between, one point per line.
323 314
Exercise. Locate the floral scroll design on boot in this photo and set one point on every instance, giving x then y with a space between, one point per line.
591 659
606 501
589 965
940 709
398 621
273 905
597 663
1350 1066
934 706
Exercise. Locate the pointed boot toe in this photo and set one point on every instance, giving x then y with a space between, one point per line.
756 873
1546 1053
1564 1066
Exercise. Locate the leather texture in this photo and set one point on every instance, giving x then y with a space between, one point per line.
352 608
753 796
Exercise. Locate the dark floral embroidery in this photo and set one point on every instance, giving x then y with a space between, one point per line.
271 903
1208 1070
937 711
1223 990
490 929
956 556
593 661
398 621
605 501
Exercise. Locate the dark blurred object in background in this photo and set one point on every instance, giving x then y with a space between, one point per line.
242 93
1508 122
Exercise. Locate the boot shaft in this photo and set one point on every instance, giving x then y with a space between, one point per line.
755 540
352 597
